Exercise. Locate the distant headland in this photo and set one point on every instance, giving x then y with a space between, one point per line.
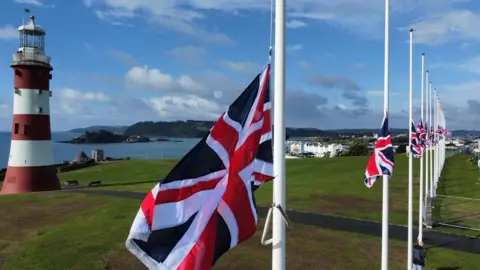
104 136
198 129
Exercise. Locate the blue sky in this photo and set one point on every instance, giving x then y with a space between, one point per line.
122 61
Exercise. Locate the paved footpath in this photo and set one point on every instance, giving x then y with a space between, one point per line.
432 239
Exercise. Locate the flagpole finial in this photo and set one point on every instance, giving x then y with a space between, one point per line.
424 54
411 29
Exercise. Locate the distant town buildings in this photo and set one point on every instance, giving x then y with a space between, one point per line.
314 149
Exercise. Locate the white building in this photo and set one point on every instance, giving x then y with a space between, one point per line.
317 149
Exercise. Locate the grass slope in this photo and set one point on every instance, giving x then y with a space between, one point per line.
61 231
460 185
331 186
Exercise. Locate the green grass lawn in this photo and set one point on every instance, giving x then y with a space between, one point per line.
460 182
61 230
330 186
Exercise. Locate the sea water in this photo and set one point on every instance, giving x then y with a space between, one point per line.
67 152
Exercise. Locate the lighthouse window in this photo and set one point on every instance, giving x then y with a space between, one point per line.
40 110
17 127
32 39
24 129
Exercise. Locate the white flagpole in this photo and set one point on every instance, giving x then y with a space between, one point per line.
442 122
410 162
427 131
386 97
444 137
444 125
279 183
432 153
420 199
437 147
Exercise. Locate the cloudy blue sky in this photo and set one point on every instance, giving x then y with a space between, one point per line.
122 61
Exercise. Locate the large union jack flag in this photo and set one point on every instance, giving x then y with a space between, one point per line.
205 205
381 161
415 147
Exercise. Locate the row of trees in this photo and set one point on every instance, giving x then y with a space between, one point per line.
361 149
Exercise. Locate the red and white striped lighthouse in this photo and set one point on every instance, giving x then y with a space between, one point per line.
31 164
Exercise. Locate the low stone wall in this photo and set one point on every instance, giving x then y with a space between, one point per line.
76 166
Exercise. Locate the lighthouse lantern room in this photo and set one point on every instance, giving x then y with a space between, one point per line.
31 164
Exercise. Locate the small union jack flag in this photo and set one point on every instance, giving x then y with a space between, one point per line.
440 132
415 147
432 137
381 161
205 205
421 131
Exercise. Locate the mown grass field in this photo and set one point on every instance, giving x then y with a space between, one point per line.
61 231
330 186
458 194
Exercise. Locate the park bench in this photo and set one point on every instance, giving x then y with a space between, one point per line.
94 183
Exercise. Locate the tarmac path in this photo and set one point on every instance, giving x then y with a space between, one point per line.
432 239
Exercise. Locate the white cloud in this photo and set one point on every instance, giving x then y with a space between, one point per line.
376 93
192 54
454 25
458 94
68 101
29 2
461 101
295 47
169 14
185 107
8 32
74 95
151 79
187 83
248 68
472 65
296 24
380 93
184 16
205 95
37 3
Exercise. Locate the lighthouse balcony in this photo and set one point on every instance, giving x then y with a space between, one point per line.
20 58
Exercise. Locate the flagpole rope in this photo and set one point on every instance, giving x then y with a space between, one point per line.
266 228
